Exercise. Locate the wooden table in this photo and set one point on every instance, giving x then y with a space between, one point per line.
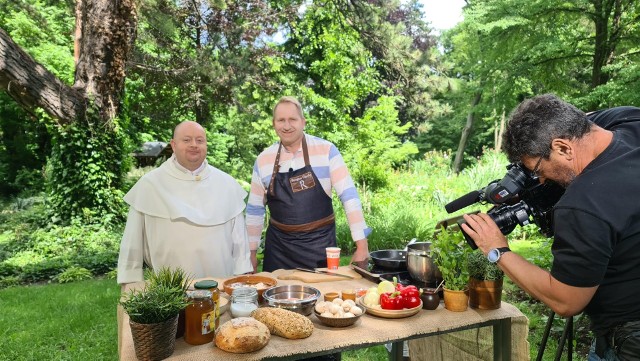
366 332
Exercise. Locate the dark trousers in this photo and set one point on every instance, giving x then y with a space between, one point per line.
624 340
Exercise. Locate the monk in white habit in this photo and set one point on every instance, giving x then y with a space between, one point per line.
187 214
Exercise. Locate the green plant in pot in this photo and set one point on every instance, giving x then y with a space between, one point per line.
485 282
171 278
168 277
449 251
153 314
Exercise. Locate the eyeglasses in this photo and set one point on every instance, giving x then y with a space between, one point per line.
536 169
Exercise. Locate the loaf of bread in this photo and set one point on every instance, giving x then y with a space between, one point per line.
242 335
284 323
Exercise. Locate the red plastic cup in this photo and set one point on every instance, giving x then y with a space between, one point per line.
333 257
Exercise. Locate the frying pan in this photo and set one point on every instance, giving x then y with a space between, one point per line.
390 259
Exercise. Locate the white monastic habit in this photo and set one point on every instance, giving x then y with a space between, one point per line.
183 219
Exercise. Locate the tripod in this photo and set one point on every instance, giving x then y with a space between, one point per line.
567 335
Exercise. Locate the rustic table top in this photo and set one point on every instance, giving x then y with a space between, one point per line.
369 330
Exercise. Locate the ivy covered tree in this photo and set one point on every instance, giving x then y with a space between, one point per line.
88 151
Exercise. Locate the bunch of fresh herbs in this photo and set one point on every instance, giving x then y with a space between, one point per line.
162 298
449 251
481 269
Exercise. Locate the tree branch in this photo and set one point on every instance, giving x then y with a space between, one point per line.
33 86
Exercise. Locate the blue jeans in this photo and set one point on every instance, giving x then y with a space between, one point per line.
609 354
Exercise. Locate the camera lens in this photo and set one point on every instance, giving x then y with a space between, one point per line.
508 217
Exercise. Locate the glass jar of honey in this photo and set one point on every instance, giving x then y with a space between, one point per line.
199 318
212 286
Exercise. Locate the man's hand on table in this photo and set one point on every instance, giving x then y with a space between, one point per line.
361 255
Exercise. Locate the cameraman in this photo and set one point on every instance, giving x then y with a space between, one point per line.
596 246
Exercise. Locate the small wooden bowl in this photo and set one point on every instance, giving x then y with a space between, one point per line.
248 281
338 322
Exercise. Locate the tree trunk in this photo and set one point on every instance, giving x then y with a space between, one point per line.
108 30
457 163
607 22
87 157
500 131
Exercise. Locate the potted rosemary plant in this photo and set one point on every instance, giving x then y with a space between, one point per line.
449 252
485 282
171 278
153 314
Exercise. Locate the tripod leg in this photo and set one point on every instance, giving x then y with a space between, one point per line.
545 336
567 333
570 340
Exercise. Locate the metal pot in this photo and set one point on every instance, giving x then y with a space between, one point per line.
390 259
420 264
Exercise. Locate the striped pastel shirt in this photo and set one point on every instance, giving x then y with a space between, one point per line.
328 166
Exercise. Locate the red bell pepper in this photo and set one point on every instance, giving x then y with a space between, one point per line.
411 302
410 291
391 301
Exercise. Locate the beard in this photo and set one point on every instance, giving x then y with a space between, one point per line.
566 175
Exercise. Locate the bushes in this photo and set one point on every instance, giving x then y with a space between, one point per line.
413 200
59 253
73 274
408 206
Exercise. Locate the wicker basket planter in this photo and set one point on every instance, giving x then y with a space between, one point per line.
154 341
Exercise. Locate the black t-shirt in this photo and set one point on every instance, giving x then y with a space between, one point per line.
597 224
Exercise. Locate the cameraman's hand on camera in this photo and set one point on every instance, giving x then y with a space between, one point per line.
484 231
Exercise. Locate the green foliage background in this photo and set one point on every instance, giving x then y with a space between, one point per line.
373 78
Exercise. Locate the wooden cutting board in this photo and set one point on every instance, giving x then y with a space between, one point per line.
309 277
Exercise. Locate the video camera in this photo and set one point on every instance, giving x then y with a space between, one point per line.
519 199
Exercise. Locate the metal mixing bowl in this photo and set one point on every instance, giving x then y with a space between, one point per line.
296 298
420 264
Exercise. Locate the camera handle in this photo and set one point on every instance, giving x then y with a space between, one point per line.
567 335
467 238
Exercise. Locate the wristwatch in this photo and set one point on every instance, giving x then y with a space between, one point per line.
494 254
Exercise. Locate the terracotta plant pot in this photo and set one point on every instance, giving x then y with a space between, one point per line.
456 301
485 295
154 341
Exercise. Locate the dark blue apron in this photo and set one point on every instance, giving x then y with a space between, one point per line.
301 223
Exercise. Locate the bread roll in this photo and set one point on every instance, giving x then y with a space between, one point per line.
284 323
241 335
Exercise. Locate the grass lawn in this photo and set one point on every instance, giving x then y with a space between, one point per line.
74 321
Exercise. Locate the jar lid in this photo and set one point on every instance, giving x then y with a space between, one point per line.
199 294
206 284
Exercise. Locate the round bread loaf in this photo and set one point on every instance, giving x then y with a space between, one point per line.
241 335
284 323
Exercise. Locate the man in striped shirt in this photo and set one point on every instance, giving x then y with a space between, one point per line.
295 178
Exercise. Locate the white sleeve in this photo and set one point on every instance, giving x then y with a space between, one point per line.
240 251
130 259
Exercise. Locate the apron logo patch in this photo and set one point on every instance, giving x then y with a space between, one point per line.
302 182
